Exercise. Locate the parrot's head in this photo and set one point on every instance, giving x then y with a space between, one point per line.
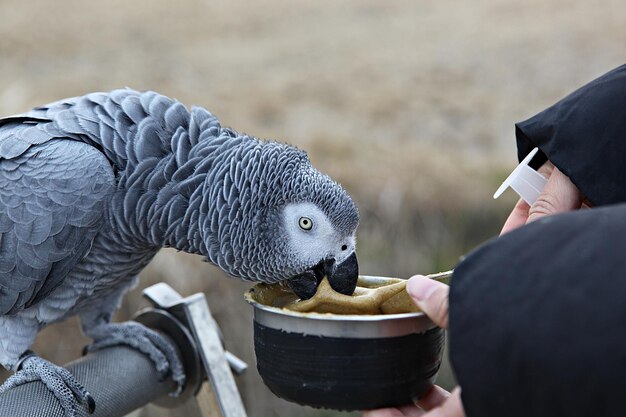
320 242
317 231
289 223
312 228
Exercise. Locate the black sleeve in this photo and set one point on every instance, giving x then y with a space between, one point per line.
538 316
538 319
584 135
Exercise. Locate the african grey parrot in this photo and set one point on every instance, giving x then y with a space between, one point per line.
92 187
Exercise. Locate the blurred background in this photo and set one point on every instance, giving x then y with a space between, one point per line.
410 105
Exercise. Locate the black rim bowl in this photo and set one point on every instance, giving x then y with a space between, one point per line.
346 362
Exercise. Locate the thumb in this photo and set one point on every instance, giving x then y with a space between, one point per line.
559 195
453 407
431 296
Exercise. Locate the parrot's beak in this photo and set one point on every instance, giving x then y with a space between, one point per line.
342 277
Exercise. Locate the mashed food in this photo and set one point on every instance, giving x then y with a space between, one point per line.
372 296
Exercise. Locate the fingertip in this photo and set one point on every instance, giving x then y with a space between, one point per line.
383 412
417 277
455 403
431 297
420 288
413 284
433 398
517 218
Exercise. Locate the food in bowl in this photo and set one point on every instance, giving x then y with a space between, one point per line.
328 358
371 296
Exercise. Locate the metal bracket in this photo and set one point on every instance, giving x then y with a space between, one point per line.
200 342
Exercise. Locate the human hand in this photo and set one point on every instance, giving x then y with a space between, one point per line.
559 195
432 297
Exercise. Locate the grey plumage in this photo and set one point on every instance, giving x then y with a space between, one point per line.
50 212
92 187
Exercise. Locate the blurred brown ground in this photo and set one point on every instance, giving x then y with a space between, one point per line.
410 105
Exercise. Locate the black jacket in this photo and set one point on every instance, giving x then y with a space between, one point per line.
538 316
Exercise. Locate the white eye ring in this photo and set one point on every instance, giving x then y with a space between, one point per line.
305 223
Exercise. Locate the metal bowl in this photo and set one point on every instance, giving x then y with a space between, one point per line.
345 362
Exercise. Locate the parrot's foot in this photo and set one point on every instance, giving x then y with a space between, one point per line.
159 350
58 380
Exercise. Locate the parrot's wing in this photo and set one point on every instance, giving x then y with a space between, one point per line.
52 198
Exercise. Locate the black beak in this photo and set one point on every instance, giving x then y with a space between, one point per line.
342 277
305 284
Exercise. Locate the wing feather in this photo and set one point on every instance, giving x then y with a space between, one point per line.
52 199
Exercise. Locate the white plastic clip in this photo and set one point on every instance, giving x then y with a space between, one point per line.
524 180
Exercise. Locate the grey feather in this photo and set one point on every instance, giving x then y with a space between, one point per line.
35 232
176 116
25 253
8 247
132 108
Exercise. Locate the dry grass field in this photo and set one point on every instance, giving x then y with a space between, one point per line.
409 104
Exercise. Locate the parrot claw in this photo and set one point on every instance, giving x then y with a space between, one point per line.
59 380
162 353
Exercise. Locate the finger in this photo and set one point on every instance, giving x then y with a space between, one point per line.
559 195
411 411
406 411
453 407
383 412
431 296
519 215
546 169
517 218
433 398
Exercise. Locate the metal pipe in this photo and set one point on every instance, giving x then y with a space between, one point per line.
119 378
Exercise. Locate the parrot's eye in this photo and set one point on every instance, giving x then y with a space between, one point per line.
305 223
